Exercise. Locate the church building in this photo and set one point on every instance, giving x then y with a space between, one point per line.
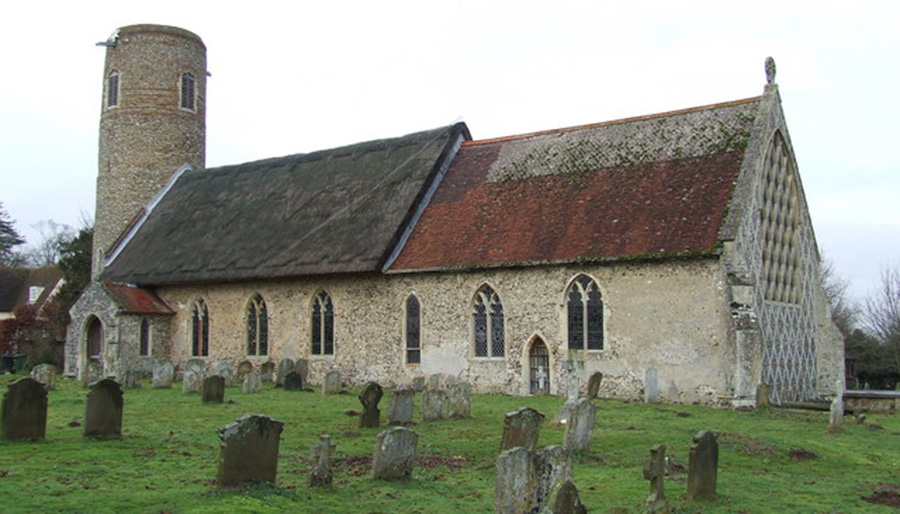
677 242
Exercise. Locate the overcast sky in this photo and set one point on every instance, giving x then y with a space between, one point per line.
291 77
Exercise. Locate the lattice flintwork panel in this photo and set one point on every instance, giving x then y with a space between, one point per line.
779 220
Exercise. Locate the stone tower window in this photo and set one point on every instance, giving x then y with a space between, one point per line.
413 330
779 220
188 91
145 337
322 325
200 329
257 327
487 314
584 314
112 89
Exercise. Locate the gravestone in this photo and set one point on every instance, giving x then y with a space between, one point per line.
521 428
369 397
320 454
703 467
292 381
223 369
213 390
651 386
129 374
418 384
836 413
197 366
763 392
434 398
285 366
267 372
580 427
163 375
395 453
243 368
249 450
191 381
594 385
252 383
92 373
655 472
564 413
402 406
103 410
332 383
302 369
525 478
46 374
564 499
459 400
24 410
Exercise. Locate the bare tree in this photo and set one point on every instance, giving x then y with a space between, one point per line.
47 251
881 315
844 311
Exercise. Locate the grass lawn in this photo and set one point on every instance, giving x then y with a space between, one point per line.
166 461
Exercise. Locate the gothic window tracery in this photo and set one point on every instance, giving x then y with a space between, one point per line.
779 225
322 325
413 330
199 329
487 315
257 327
584 314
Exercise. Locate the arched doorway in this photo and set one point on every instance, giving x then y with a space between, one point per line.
539 367
94 339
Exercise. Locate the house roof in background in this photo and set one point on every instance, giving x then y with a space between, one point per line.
16 282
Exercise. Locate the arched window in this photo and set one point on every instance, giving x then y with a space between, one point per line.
112 89
257 327
487 314
188 91
200 329
585 314
322 325
94 339
145 337
413 330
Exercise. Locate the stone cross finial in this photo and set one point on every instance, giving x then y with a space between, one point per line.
655 472
770 70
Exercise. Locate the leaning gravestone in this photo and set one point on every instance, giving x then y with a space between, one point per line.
655 472
46 374
580 427
103 410
285 366
191 381
243 368
459 400
320 455
252 383
651 386
302 369
163 375
564 499
332 383
521 428
24 410
292 381
249 450
267 372
395 453
213 390
703 467
369 397
594 385
525 478
402 406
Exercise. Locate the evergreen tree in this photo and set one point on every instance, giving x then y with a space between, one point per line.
9 238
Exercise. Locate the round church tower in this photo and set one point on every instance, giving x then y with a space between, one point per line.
152 122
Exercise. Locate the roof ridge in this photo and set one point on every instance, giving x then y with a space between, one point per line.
619 121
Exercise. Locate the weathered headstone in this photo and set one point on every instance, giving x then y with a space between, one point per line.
402 405
92 373
703 467
651 386
24 410
655 472
369 397
252 383
243 368
302 369
213 390
564 499
223 369
191 381
521 428
594 385
320 455
292 381
418 384
163 375
46 374
103 410
332 383
459 400
285 366
525 478
249 450
763 391
434 398
267 372
395 453
197 366
565 412
580 427
129 374
836 414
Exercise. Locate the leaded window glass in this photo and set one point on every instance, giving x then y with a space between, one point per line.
188 91
257 327
413 331
200 329
487 315
322 325
584 314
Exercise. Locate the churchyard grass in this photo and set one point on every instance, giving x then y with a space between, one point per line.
769 461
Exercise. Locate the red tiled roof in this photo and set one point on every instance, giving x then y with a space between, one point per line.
135 300
650 187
